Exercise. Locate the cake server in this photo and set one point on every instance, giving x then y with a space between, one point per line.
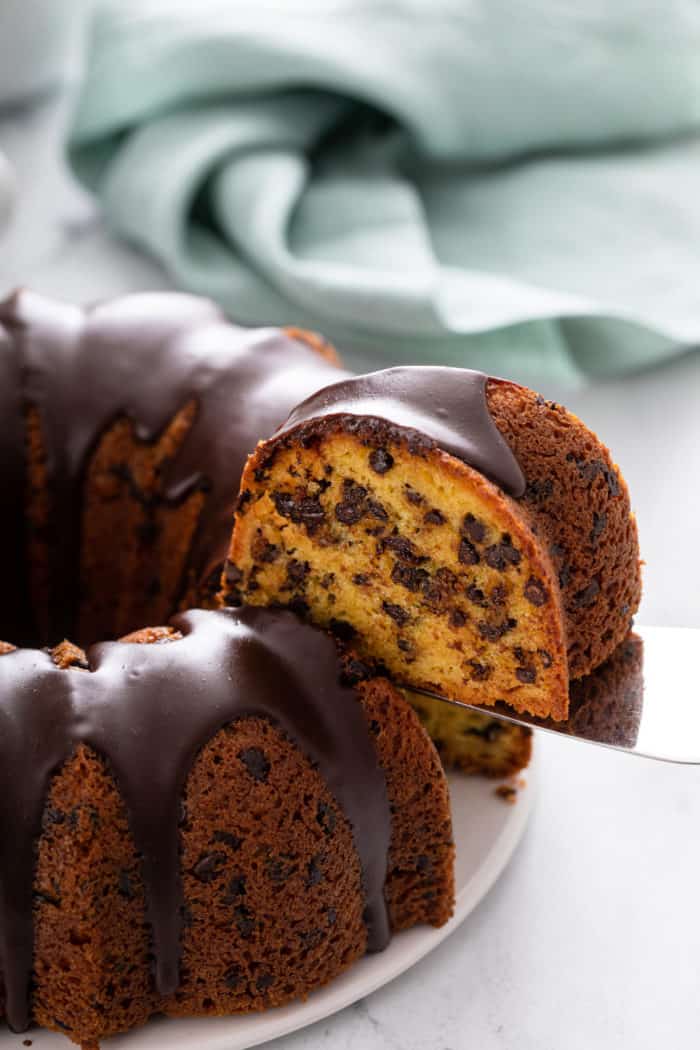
645 699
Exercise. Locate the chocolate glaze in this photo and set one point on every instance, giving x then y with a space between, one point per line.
228 664
143 357
446 404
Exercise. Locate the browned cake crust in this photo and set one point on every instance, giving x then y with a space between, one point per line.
273 900
448 582
580 505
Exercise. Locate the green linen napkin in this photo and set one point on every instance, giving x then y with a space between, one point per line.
506 184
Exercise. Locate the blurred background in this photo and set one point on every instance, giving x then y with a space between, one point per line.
508 186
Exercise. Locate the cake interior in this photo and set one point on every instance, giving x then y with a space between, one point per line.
423 567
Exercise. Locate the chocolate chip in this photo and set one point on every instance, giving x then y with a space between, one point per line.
564 576
527 675
264 981
498 594
228 839
535 591
480 672
297 571
377 510
314 874
305 510
467 553
311 939
349 513
285 504
473 529
331 916
208 867
262 550
613 483
352 492
243 500
396 612
546 658
404 645
380 460
245 923
125 887
325 817
491 632
423 864
434 517
476 596
408 576
255 762
311 512
500 555
279 869
539 490
403 547
233 977
326 580
587 596
412 496
235 888
360 578
458 618
599 523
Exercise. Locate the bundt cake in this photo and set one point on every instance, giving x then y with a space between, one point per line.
220 814
470 537
223 817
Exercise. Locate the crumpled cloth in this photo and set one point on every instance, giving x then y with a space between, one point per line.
511 185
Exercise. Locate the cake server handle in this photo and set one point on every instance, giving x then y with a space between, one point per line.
644 700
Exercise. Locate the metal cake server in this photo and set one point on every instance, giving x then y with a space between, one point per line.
645 699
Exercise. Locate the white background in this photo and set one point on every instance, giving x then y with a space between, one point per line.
592 937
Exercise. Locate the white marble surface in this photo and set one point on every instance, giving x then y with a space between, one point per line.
592 938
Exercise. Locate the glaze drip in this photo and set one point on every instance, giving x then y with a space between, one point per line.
143 357
446 404
251 662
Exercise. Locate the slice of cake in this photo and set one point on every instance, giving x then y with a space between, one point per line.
470 537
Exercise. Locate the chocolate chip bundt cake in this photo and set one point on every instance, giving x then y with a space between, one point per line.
211 817
469 536
270 811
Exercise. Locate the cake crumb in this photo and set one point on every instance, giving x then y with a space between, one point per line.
26 1042
507 792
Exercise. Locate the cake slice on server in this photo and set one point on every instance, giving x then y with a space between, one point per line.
469 536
